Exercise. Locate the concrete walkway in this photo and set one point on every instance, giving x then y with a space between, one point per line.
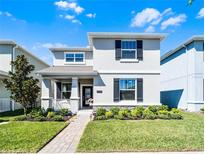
147 153
67 141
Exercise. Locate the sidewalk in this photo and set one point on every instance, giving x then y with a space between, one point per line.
67 141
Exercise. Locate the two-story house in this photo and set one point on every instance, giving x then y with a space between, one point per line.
9 50
182 75
117 69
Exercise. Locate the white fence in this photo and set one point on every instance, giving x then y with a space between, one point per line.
7 105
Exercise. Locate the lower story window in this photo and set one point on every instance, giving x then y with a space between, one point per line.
66 90
127 89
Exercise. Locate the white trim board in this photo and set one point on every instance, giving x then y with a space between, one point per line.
127 72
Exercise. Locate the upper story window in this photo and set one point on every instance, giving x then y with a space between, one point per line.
128 49
74 57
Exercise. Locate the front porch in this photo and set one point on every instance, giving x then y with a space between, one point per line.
67 87
72 93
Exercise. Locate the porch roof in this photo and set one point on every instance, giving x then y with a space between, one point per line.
3 74
68 70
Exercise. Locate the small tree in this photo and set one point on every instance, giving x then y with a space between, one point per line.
24 88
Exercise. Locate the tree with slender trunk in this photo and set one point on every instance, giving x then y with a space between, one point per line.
23 87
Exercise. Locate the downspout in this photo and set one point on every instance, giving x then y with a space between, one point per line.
12 70
186 74
13 56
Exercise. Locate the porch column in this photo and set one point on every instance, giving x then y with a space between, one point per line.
45 93
74 99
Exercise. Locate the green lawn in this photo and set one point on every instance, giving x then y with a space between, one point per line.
144 135
10 115
27 136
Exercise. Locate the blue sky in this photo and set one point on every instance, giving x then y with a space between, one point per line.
40 24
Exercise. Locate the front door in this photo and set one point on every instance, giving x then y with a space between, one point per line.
87 94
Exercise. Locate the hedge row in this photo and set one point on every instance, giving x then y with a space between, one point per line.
139 112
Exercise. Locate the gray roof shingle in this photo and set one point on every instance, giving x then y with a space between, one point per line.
68 70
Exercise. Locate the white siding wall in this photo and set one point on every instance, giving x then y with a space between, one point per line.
104 62
104 56
182 77
104 83
59 59
5 57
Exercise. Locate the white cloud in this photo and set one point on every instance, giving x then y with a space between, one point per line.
146 16
76 21
69 6
149 16
167 11
200 13
48 45
91 15
9 15
150 29
69 17
173 21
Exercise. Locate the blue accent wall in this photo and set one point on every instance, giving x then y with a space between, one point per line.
171 98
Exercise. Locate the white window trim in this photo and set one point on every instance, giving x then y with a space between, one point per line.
62 88
74 62
130 59
128 89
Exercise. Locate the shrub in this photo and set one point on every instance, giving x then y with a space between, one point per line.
163 107
57 118
202 109
49 110
163 114
50 115
36 112
148 114
116 117
124 113
40 118
153 108
174 110
108 114
102 117
64 112
100 112
20 118
114 110
137 112
175 115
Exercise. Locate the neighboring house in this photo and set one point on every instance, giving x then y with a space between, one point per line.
9 50
182 75
117 69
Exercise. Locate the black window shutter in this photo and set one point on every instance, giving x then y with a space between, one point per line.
58 90
139 89
116 90
140 49
117 49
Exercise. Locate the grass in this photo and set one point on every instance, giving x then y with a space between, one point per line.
144 135
10 115
27 136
